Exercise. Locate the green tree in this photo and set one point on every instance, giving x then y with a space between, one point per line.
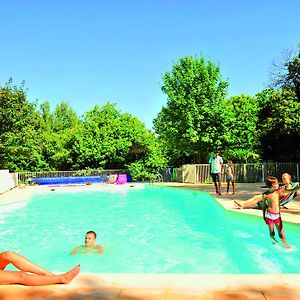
64 117
15 111
240 117
278 125
190 123
20 143
110 139
286 74
57 129
46 117
148 157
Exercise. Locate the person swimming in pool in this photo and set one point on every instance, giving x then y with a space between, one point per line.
29 273
89 247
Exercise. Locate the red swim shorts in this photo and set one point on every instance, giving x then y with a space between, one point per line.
277 221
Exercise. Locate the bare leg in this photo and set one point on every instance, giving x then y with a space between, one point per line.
228 183
19 277
233 187
280 230
21 263
272 233
219 184
216 187
248 203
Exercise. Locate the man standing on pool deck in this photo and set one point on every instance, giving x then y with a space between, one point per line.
89 247
216 165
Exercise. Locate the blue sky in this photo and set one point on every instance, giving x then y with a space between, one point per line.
89 52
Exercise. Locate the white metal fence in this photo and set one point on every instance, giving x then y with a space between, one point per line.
200 173
7 180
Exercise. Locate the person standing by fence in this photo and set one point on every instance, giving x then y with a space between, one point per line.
216 166
229 173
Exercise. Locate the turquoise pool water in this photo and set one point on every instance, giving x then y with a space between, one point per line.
144 230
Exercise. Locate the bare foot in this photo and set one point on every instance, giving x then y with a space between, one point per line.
239 205
287 246
226 193
69 276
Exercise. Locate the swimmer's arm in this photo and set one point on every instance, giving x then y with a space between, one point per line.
100 249
76 250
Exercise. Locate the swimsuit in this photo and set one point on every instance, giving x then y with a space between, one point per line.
272 218
227 170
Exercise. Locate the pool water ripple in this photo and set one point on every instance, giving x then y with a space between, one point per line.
149 230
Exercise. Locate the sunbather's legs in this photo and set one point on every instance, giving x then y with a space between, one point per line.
21 263
11 277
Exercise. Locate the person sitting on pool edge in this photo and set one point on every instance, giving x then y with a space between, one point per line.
89 247
29 273
257 199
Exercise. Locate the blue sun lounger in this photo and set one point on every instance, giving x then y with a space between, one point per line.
290 196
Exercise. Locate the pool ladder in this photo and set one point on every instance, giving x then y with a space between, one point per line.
157 178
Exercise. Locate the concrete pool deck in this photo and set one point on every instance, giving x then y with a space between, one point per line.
168 286
245 191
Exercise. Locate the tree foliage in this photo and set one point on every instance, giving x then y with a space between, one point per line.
196 119
36 139
19 138
244 128
191 121
278 125
286 74
240 141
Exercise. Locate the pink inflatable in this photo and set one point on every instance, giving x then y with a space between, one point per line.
122 178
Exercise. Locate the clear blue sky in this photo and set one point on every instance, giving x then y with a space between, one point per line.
89 52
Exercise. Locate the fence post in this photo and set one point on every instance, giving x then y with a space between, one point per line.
263 172
245 173
297 167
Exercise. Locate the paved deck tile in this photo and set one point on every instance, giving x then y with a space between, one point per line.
141 294
239 295
189 295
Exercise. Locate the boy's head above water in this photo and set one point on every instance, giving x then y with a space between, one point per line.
90 238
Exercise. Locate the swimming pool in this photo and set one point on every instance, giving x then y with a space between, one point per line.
144 230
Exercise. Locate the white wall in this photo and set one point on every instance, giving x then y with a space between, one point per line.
7 180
